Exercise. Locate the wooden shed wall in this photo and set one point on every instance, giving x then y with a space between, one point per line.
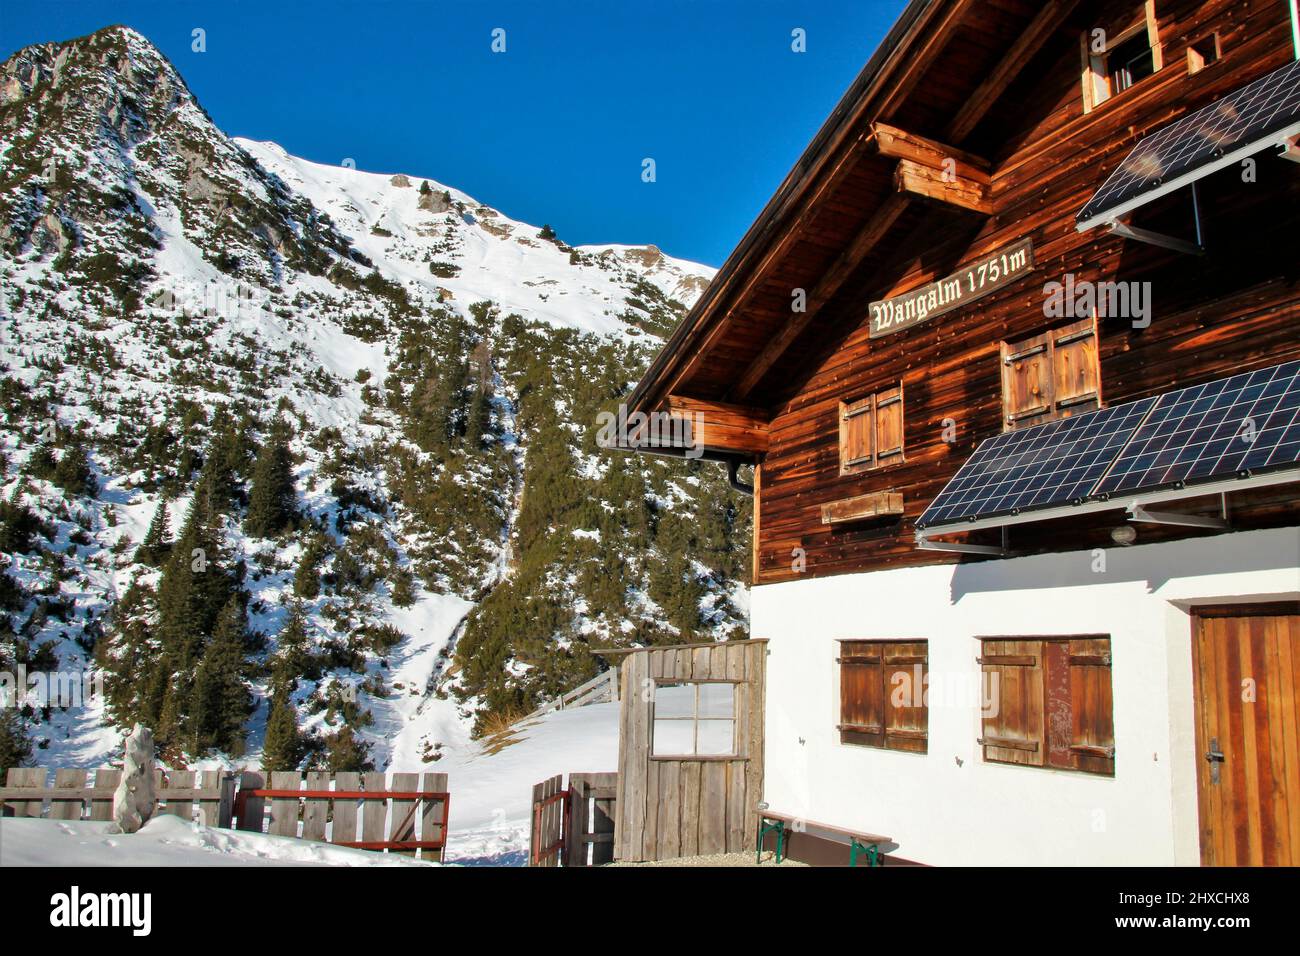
670 808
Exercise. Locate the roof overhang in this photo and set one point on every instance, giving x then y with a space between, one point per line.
841 130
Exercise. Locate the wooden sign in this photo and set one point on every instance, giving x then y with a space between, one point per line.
965 286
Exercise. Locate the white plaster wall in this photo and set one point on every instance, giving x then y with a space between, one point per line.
947 806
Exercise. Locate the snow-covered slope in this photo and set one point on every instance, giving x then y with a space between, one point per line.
172 299
498 258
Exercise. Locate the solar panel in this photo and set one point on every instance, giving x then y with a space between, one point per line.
1240 426
1247 118
1246 424
1050 464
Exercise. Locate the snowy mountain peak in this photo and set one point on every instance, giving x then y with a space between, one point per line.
367 400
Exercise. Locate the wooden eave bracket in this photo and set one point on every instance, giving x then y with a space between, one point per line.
721 426
933 170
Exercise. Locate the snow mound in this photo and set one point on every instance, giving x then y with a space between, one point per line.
169 841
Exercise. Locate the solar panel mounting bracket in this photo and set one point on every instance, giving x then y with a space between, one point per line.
1153 238
997 551
1290 149
1137 513
1164 241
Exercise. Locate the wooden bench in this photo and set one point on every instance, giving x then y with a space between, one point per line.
859 841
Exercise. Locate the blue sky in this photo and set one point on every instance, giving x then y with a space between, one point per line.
555 129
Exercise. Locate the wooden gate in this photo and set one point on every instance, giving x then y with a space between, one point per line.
574 826
1247 674
355 813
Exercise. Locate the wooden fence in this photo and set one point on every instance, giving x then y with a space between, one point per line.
206 795
598 690
573 827
362 810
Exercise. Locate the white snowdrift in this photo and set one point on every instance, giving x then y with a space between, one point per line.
491 793
168 841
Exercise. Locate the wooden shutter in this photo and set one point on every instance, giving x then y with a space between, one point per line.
1075 371
906 714
1013 724
1092 726
1027 381
857 429
889 426
862 698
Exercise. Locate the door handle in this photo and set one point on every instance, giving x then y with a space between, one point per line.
1214 756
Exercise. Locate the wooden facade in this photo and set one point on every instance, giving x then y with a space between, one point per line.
672 805
978 126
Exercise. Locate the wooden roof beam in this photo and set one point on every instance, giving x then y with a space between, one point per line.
934 170
944 187
900 144
1019 53
721 426
867 239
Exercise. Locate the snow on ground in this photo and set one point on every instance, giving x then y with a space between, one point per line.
491 793
168 841
491 784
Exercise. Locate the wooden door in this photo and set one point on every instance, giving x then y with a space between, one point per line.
1247 674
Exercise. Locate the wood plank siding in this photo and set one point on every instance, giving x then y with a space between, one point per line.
1235 308
671 806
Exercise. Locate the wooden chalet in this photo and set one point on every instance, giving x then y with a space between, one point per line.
974 348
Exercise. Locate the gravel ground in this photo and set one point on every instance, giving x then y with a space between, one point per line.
718 859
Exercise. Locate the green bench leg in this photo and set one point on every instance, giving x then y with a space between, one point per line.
872 852
764 828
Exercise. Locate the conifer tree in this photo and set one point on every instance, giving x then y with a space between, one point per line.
284 747
271 506
345 753
154 548
477 419
42 463
292 658
15 745
131 660
73 473
196 585
221 701
306 577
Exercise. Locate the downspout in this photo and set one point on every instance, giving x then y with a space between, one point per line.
1295 28
733 466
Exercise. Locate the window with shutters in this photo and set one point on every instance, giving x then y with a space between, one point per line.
1052 375
1114 61
1047 703
871 431
883 694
